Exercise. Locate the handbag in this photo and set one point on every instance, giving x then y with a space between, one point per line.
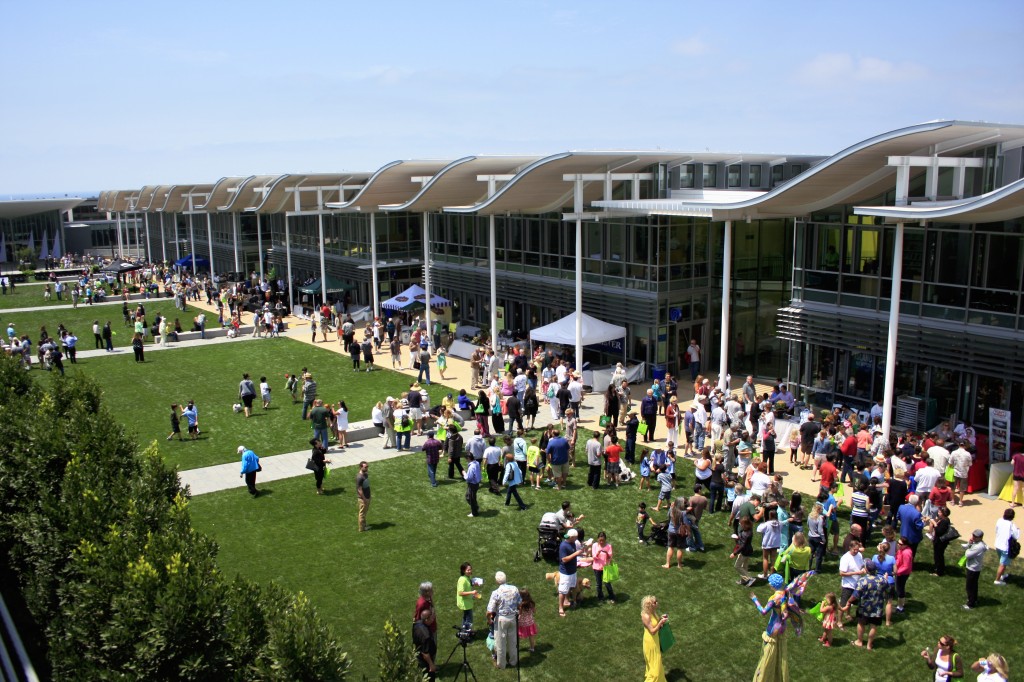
611 572
605 420
416 365
665 637
950 473
310 464
950 535
259 467
642 429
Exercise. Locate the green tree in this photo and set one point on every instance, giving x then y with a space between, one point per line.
397 662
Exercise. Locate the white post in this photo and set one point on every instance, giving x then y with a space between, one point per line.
177 237
163 239
494 283
235 220
723 361
426 272
323 264
894 324
578 207
374 277
259 243
149 250
120 244
287 258
138 242
209 236
192 238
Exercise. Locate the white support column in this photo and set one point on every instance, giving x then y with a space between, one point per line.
493 271
192 240
138 242
374 277
120 243
209 236
578 208
236 219
177 237
902 185
723 360
259 243
287 259
323 262
149 250
894 323
163 239
426 273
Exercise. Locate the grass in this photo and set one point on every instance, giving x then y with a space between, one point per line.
309 543
79 320
30 295
142 394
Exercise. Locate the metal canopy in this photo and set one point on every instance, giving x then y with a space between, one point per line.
390 184
857 173
460 182
1001 204
17 208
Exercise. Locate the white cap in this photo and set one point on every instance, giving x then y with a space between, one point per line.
241 449
572 533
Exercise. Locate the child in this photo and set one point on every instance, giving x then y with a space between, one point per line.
377 415
535 462
175 422
828 608
355 350
771 534
527 625
292 386
442 361
642 517
265 392
794 445
796 558
645 472
743 550
464 402
396 355
665 479
670 462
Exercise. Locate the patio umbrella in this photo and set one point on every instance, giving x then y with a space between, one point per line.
55 251
45 248
32 240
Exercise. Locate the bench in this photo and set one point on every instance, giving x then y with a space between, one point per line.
214 333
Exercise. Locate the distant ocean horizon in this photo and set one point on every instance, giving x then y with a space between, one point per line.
92 194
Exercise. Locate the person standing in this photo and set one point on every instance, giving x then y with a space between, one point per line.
654 668
308 394
465 594
138 348
423 363
603 554
453 446
502 611
693 358
558 457
567 566
363 493
975 554
473 478
870 594
649 413
387 414
1005 531
492 457
247 393
594 460
425 643
250 465
512 477
320 416
175 422
319 459
432 449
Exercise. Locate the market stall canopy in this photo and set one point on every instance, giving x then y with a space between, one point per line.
414 295
187 262
563 331
334 286
120 266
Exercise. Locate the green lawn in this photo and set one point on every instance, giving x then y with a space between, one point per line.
79 320
309 543
30 295
210 376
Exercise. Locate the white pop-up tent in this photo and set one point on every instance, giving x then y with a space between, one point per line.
563 331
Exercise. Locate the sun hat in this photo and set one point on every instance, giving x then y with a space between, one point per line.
776 581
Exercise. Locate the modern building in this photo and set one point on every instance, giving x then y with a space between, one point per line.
802 249
38 224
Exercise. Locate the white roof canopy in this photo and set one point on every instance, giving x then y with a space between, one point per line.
563 331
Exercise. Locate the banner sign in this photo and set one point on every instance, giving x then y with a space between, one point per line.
998 435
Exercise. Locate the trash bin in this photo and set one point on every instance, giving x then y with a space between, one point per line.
658 372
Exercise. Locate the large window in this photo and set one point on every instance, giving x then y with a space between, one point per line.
710 175
754 175
687 176
733 175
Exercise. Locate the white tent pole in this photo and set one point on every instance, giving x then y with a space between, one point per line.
177 237
192 237
491 248
287 258
323 263
374 277
120 244
578 208
259 243
894 322
149 250
723 360
138 242
426 271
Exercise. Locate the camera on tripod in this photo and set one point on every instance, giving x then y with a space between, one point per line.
463 634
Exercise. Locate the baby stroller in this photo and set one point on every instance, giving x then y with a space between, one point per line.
659 534
549 537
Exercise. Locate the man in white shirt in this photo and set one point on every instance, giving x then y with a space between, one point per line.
876 411
575 392
961 460
939 454
700 417
1005 529
851 567
693 358
926 477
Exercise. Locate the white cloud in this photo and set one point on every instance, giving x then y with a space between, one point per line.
838 68
691 47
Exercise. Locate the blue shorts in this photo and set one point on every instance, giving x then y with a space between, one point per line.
1004 557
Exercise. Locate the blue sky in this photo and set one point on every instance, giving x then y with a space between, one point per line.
111 95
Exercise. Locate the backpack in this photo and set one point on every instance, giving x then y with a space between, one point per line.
406 421
1013 547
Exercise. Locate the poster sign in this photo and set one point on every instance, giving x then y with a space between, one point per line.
998 435
499 313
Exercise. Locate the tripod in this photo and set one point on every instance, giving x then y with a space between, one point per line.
466 670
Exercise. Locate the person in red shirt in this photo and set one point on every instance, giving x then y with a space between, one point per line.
941 494
848 448
1018 478
612 456
828 472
